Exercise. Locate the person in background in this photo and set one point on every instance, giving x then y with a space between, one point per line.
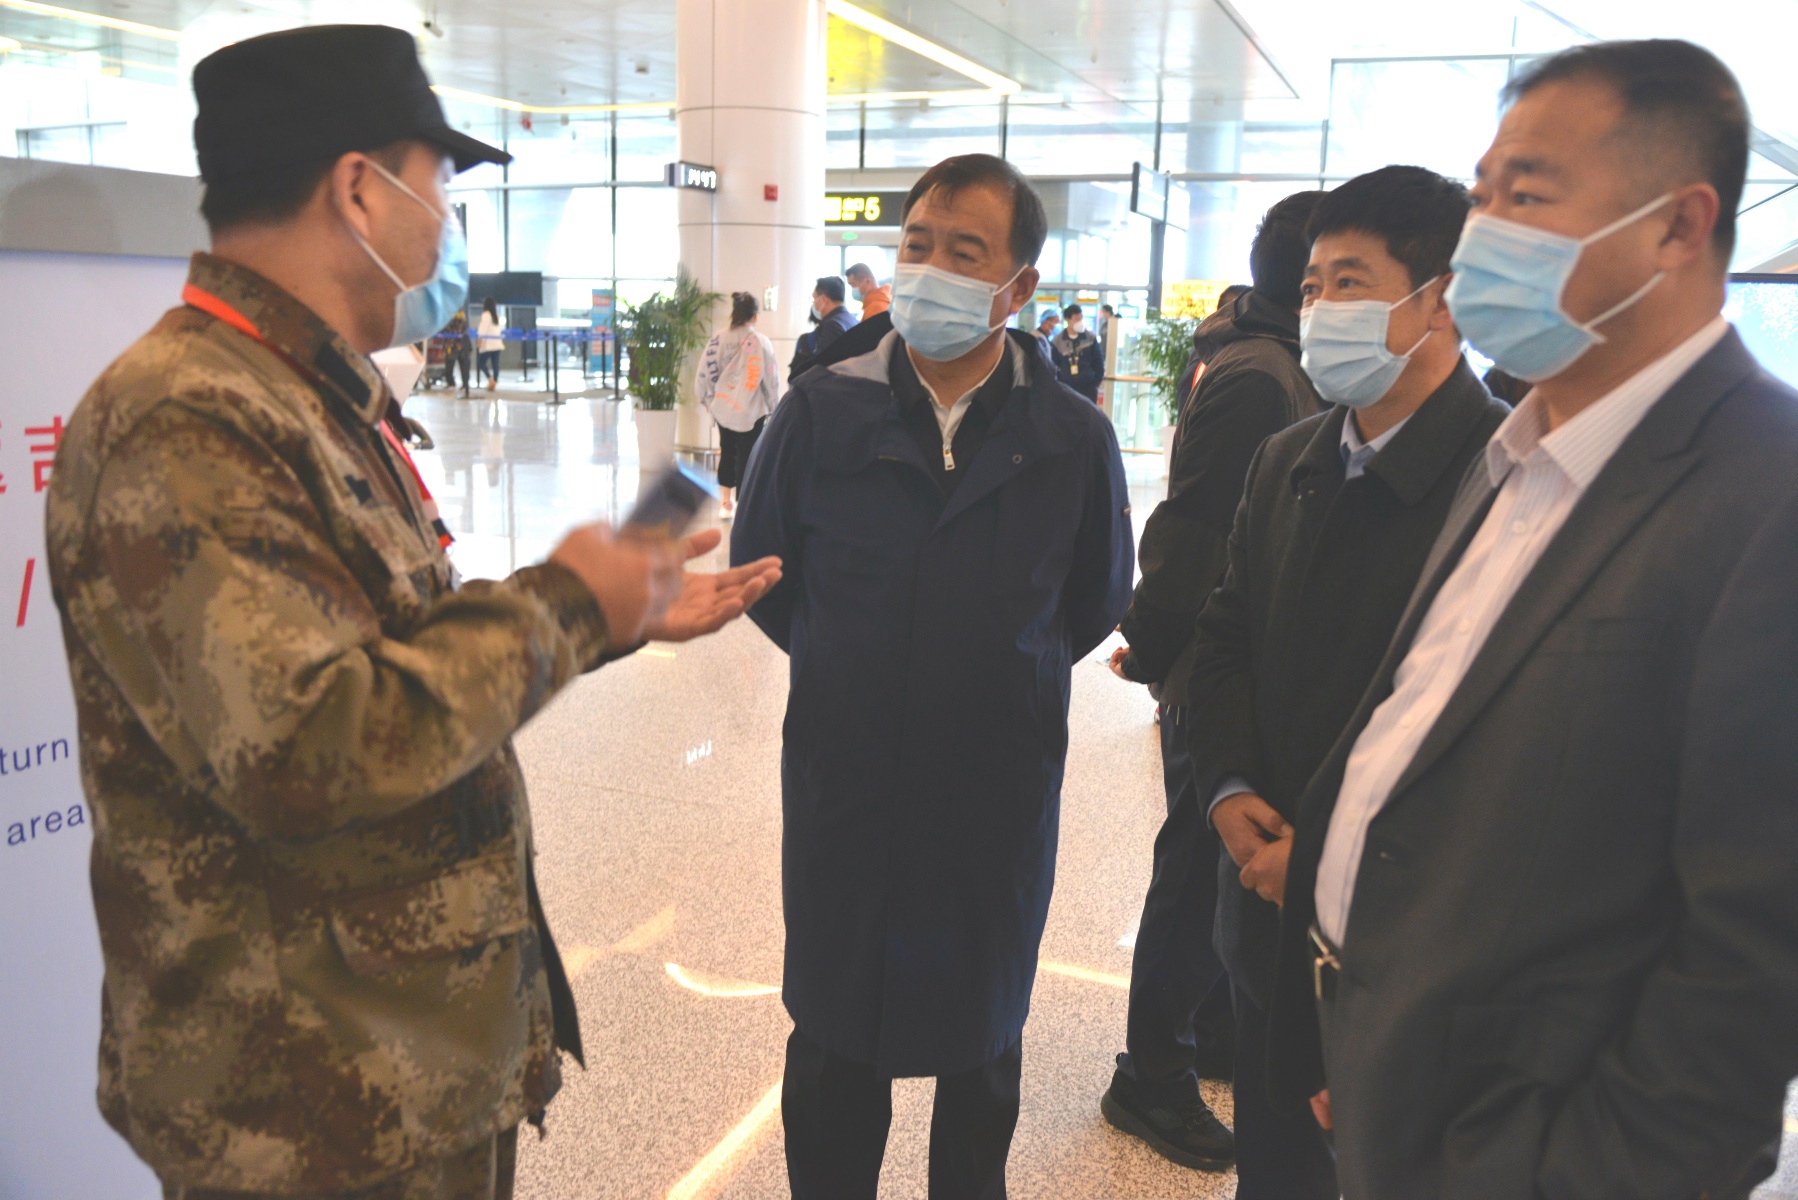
1180 1022
1045 329
876 299
327 970
458 350
1079 362
830 321
1203 347
1540 934
738 385
1107 321
1506 387
489 343
1331 535
959 524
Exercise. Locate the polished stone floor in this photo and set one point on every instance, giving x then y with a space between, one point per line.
655 793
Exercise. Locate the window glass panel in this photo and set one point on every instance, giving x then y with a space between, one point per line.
576 152
1079 139
646 145
842 137
918 134
562 231
486 250
648 238
1376 117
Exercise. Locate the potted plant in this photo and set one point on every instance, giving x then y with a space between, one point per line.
1165 344
660 335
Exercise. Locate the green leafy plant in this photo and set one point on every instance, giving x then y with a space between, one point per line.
661 334
1165 345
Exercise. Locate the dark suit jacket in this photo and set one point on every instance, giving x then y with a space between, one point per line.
1252 388
1571 966
1319 574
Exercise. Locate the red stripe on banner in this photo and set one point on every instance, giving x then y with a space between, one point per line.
25 592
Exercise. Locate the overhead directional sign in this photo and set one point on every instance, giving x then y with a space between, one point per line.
691 175
879 209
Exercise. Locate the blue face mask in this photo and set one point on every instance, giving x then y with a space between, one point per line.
1506 293
1344 349
422 309
940 314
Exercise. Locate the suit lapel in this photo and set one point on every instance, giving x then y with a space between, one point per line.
1649 464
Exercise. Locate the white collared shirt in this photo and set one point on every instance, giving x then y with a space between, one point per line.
1356 454
1540 476
949 417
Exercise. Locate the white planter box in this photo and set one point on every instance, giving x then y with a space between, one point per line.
655 439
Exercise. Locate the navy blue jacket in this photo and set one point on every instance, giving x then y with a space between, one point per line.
931 646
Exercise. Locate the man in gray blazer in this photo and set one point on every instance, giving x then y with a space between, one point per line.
1541 925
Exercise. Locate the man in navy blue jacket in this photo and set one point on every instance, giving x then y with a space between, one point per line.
957 532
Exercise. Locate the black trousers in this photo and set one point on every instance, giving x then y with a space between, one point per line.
1179 995
1279 1156
836 1113
733 452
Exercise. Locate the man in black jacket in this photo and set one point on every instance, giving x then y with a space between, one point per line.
1252 388
1078 358
1339 514
1541 933
834 320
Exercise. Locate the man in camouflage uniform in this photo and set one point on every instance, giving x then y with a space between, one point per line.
327 970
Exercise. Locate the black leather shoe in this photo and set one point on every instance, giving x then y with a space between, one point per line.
1188 1132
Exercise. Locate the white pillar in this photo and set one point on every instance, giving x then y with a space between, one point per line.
749 101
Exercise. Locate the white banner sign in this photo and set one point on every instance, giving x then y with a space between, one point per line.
68 315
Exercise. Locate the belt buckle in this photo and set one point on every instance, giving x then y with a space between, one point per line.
1323 957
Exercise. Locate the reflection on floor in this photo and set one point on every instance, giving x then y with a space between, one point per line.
655 793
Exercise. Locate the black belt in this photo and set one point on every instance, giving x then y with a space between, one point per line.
1326 968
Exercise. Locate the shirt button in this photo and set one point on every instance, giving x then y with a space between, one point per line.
1520 526
1465 626
1016 459
1408 720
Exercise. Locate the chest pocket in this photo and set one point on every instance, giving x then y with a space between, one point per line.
401 567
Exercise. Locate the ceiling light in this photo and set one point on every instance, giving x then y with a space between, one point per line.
8 45
87 18
880 27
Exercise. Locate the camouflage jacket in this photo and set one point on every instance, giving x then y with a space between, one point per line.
311 859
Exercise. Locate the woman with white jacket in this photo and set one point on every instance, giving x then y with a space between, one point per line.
488 343
738 384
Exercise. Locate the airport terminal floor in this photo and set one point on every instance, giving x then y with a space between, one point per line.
656 799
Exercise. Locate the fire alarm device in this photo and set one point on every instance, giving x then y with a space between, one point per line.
770 191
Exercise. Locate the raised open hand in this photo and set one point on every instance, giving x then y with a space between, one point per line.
708 602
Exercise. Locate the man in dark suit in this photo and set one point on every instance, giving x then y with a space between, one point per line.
1541 928
1180 1025
1339 514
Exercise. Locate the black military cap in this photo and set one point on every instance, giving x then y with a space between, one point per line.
309 95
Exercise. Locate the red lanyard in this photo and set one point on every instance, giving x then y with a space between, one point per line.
212 306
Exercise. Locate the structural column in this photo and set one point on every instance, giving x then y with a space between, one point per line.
750 102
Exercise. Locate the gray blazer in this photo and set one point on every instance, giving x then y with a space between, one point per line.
1571 966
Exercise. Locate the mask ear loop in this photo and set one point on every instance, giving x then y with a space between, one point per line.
1427 333
369 250
1591 327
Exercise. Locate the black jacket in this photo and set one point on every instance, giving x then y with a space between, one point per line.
1079 361
1571 963
814 343
1252 388
1320 570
